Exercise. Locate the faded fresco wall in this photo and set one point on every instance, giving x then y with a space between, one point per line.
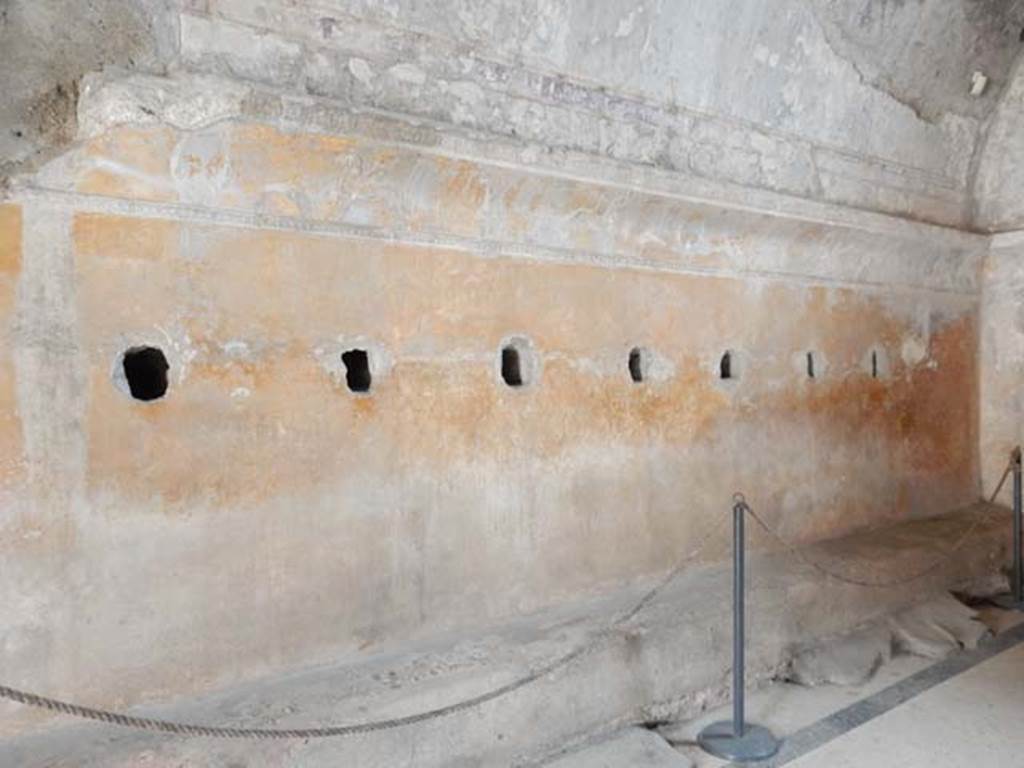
999 180
260 514
1002 356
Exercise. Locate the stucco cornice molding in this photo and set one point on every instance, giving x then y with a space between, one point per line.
195 102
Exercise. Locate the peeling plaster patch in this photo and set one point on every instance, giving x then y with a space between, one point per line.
236 349
978 84
199 166
791 97
361 70
604 365
660 369
866 80
359 212
465 91
767 56
188 104
913 351
232 48
628 22
408 73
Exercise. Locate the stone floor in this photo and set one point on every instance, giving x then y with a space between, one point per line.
973 719
964 719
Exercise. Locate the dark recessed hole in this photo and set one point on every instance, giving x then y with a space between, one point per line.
636 364
725 366
810 365
357 370
145 369
874 364
511 368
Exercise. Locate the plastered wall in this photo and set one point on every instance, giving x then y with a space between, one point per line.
1002 353
261 515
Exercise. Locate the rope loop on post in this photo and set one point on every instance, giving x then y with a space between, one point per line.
793 549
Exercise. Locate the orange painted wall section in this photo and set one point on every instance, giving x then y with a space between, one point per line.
11 464
442 315
261 515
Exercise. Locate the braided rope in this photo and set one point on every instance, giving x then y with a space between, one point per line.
879 583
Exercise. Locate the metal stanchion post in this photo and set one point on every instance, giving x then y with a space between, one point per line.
738 740
1015 600
1018 512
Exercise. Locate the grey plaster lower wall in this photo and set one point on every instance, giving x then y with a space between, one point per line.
1002 357
999 180
671 662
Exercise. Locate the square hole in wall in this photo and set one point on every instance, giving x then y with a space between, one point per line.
358 377
145 371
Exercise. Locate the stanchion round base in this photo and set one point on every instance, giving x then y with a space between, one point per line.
756 743
1006 601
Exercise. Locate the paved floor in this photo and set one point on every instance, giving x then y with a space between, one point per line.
787 708
973 720
960 713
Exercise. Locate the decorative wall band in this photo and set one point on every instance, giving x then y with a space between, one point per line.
142 99
485 248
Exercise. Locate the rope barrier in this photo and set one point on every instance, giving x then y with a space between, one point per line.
591 644
878 583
